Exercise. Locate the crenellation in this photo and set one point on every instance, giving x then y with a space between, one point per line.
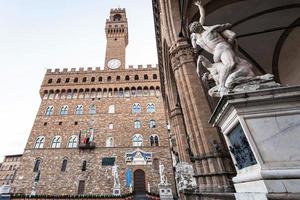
81 69
65 70
140 66
56 70
73 69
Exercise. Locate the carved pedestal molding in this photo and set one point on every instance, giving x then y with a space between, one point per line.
196 113
261 129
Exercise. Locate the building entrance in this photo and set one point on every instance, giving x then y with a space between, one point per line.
139 182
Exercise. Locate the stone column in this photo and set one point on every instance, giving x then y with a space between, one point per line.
210 169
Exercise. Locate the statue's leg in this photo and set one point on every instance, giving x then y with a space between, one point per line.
227 58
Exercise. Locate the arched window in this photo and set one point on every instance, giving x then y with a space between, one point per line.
100 79
92 109
154 140
111 109
93 79
127 78
76 80
67 80
50 81
118 78
156 164
58 80
39 142
137 124
152 123
36 166
73 141
109 79
64 165
109 142
136 108
150 107
137 140
56 142
84 79
154 76
49 111
136 77
83 166
64 110
79 110
145 77
117 17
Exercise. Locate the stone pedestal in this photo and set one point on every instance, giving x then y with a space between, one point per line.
165 191
262 132
117 191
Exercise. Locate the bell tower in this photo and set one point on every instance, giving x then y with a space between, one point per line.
116 29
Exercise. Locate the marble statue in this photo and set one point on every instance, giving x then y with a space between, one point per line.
163 179
115 174
185 177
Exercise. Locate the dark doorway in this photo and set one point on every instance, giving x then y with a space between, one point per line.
139 182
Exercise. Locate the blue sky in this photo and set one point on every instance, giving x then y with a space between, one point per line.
40 34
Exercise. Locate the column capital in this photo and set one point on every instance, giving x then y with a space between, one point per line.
181 52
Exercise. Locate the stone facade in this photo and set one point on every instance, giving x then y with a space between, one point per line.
107 99
9 168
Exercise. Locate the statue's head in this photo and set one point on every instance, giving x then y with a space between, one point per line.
196 27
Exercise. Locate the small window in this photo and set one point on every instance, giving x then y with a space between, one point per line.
36 167
79 110
76 80
67 80
39 142
81 187
73 141
93 79
136 108
45 123
108 161
64 110
118 78
137 140
83 166
49 111
154 76
110 126
84 79
64 165
109 79
56 142
58 80
92 109
152 123
154 140
75 123
60 123
137 124
50 81
145 77
150 107
136 77
127 78
100 79
109 142
111 109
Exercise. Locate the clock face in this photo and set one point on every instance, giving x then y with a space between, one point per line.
114 63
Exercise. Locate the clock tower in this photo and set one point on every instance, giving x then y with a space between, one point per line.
116 30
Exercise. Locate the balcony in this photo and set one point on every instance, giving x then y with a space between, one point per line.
90 145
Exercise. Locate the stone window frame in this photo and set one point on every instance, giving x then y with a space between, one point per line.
151 108
64 165
109 142
73 141
79 110
137 124
49 111
92 109
136 108
56 142
152 123
37 164
64 110
154 140
111 109
39 142
137 140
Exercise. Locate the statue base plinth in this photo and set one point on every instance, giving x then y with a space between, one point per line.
117 190
261 130
165 191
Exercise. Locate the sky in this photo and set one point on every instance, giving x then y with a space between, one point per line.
40 34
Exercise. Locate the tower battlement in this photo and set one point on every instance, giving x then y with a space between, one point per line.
96 69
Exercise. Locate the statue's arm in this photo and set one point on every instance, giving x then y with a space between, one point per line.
220 27
194 41
201 11
229 34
